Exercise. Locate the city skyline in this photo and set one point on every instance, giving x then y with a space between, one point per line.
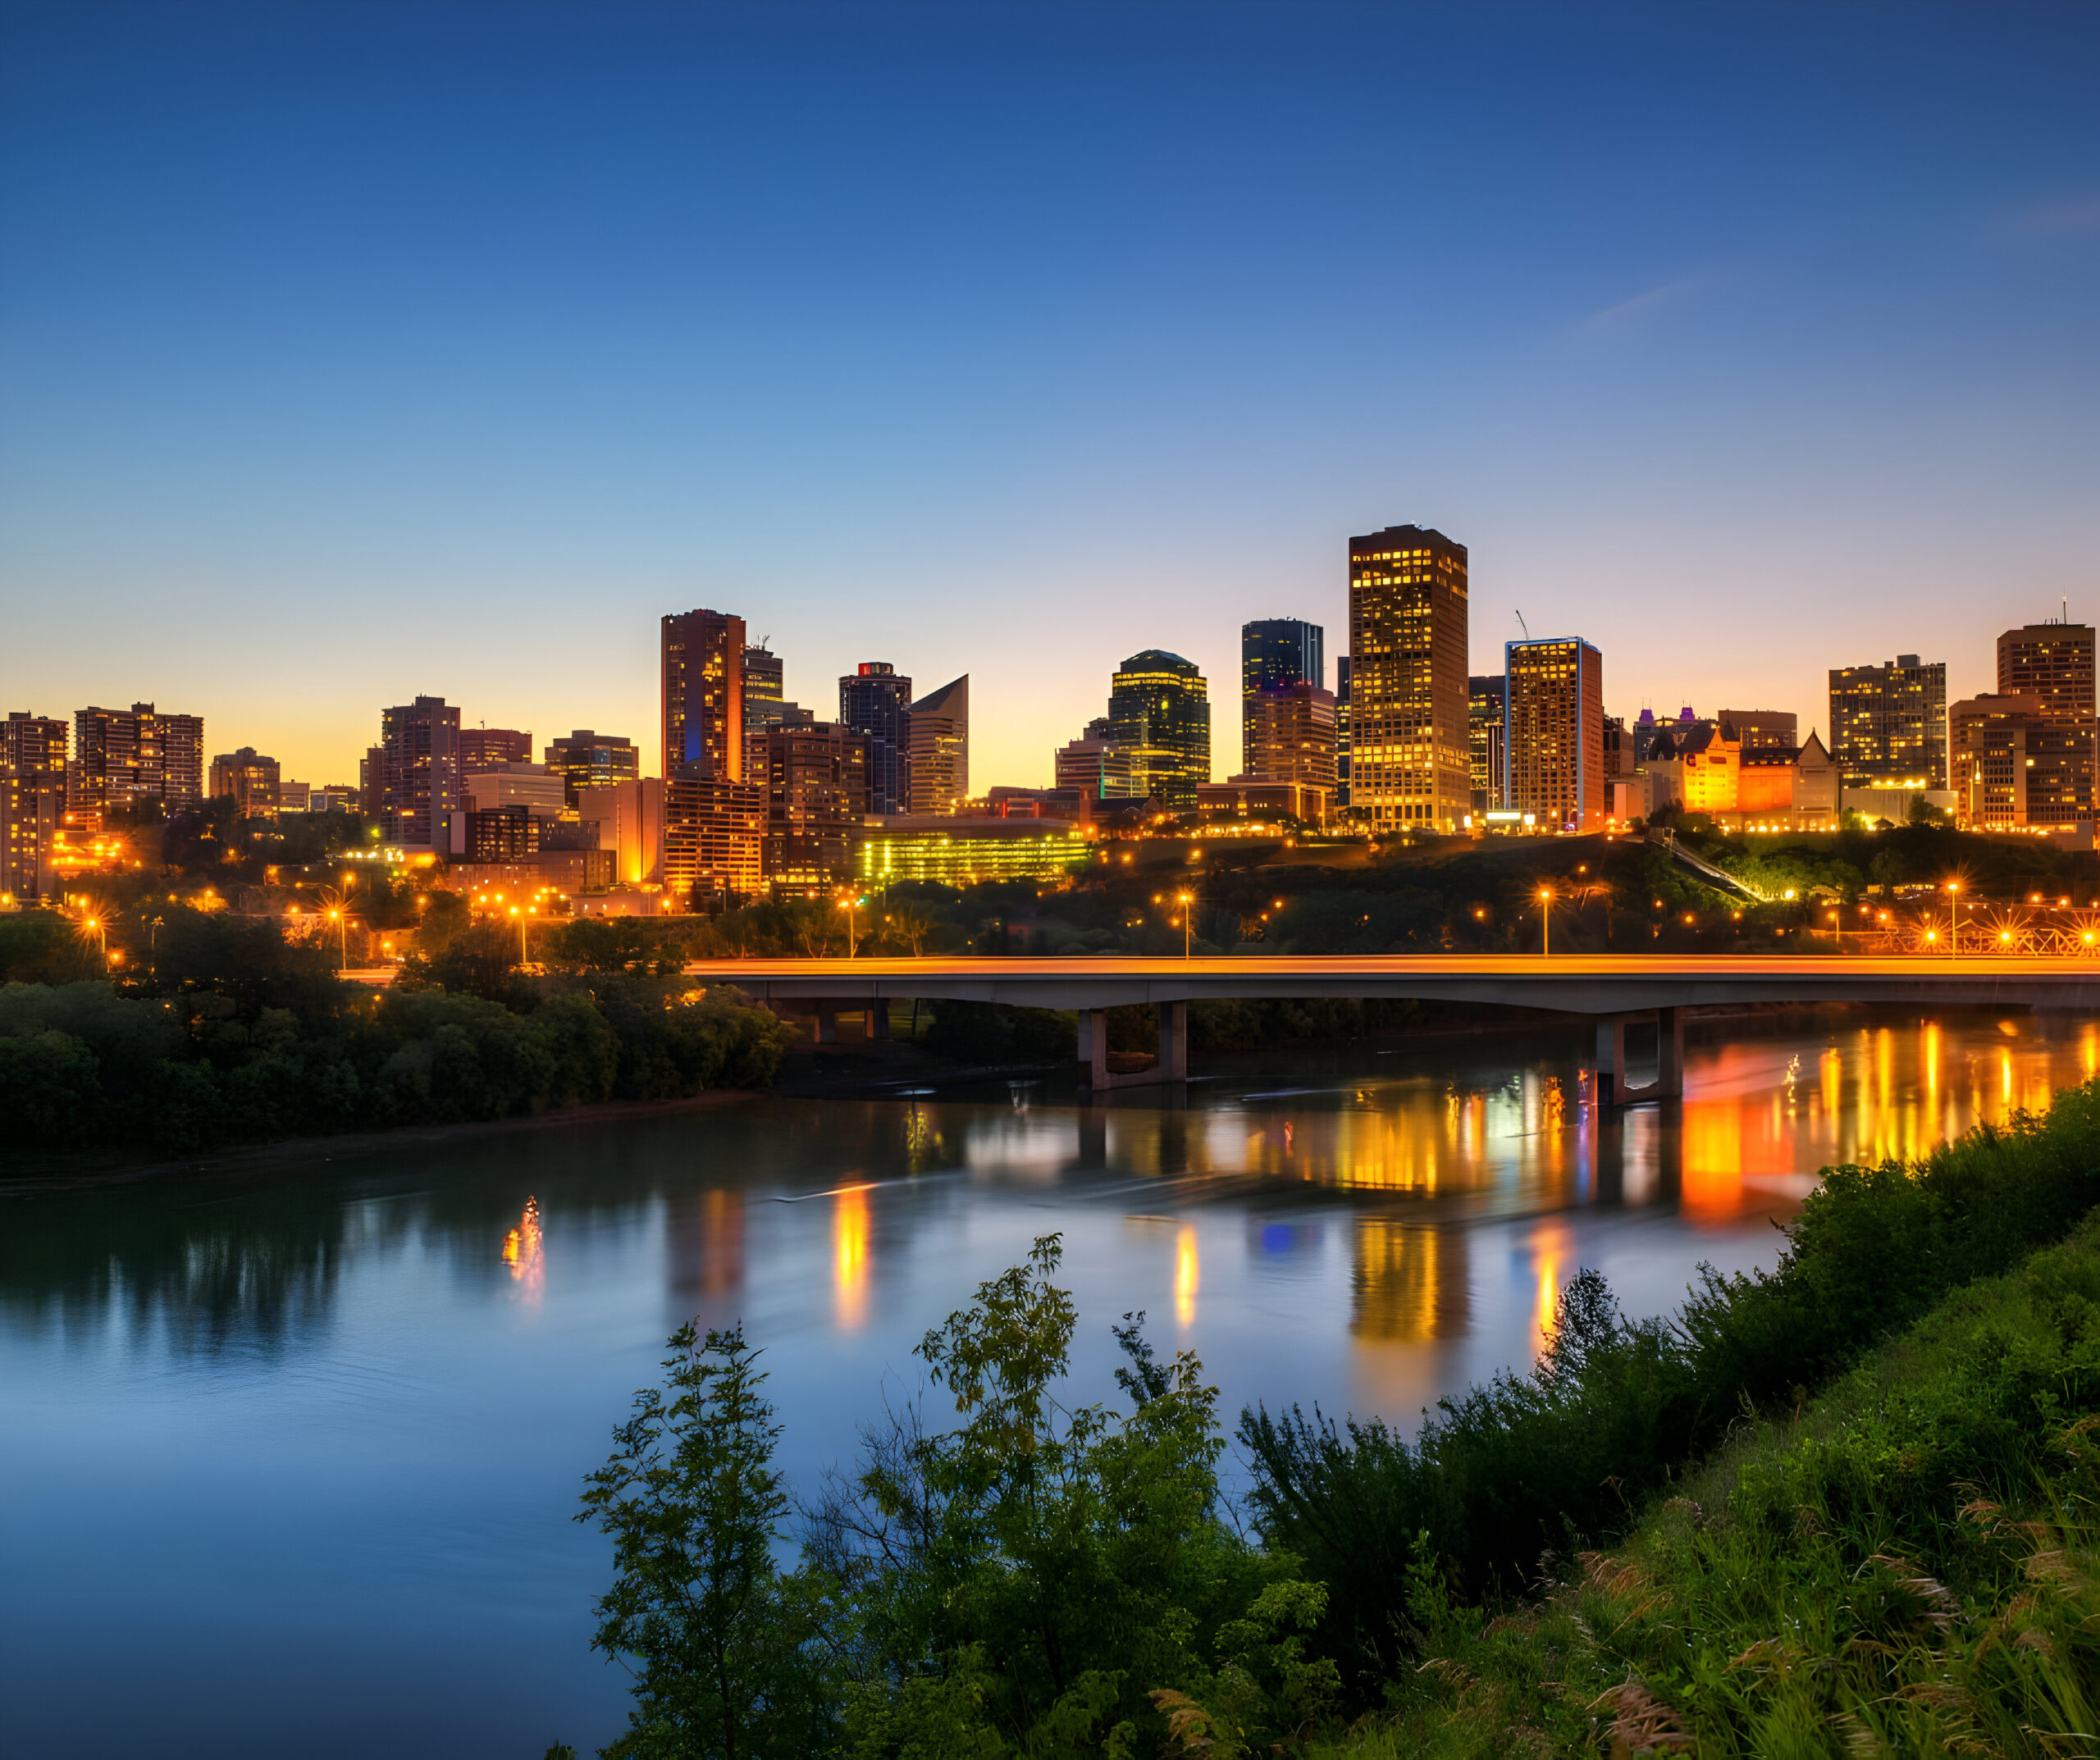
1737 357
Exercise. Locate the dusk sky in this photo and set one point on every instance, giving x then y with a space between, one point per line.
353 352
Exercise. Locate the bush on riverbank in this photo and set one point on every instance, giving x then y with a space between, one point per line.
234 1037
1529 1466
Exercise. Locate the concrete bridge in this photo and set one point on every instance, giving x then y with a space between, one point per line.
1618 991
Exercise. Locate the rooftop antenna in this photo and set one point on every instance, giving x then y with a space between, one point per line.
1523 625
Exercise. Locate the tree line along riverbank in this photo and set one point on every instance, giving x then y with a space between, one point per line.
1844 1506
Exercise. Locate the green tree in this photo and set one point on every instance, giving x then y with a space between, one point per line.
718 1639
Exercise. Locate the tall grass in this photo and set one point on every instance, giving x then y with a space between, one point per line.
1501 1486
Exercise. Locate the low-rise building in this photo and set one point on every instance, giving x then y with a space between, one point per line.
1257 798
629 816
960 852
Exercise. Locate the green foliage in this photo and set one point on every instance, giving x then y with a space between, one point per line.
721 1642
476 959
1910 1564
1529 1467
41 947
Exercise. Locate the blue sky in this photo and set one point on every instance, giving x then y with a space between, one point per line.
352 351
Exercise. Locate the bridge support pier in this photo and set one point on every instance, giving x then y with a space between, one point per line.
1173 1065
1613 1087
825 1023
879 1019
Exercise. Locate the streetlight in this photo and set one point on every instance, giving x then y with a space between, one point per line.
1186 898
1953 923
849 904
1545 922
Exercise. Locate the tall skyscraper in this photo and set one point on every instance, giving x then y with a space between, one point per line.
32 804
1290 738
816 797
1993 742
1410 757
875 701
1342 735
765 682
938 730
251 779
1275 651
35 745
418 758
1888 724
1487 702
1159 711
1554 732
2053 662
704 696
480 747
122 755
585 759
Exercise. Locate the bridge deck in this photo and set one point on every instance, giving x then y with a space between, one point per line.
1583 984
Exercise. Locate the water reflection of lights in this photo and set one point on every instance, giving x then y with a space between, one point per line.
523 1253
849 1247
1188 1275
1409 1283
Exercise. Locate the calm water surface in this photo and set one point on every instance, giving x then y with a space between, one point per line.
288 1458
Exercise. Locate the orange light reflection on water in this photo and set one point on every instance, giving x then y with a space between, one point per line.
849 1248
1188 1275
523 1253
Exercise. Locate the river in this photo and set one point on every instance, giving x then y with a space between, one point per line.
289 1453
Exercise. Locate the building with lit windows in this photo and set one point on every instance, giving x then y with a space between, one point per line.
1888 724
1275 652
1486 703
713 839
1342 731
1554 732
628 816
419 775
501 834
122 756
816 794
875 702
1159 713
1093 765
1760 728
251 779
1991 740
960 852
765 680
1410 757
35 745
481 748
32 814
2052 662
713 813
937 729
1290 739
585 759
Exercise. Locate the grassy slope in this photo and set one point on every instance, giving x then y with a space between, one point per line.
1909 1564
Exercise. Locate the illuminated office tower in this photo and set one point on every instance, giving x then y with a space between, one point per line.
1275 651
251 779
703 694
1410 757
1993 742
1485 700
1290 738
419 774
875 702
1763 729
2053 662
124 755
481 748
1554 732
816 787
1159 711
1888 724
1093 765
937 729
585 759
1342 731
765 682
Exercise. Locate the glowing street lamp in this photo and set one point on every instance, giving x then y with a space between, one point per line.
1187 899
1545 923
1953 922
849 904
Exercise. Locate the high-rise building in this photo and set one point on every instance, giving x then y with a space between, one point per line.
1290 738
1486 700
35 745
1888 724
1410 757
629 817
1275 651
765 682
501 834
1554 732
1159 711
418 762
1992 741
2053 662
703 655
714 837
251 779
1341 731
875 702
816 796
938 729
1763 729
482 746
1094 765
537 788
588 759
120 756
32 804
